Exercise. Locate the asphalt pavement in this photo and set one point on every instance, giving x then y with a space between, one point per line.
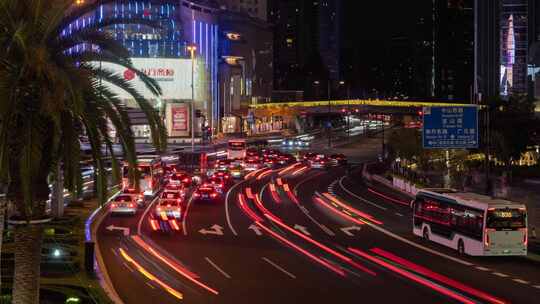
295 235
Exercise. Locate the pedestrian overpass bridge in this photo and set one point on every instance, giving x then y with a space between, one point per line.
361 106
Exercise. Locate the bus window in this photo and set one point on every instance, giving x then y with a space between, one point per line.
237 145
506 219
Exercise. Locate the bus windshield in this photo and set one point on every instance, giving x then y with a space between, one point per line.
506 218
144 170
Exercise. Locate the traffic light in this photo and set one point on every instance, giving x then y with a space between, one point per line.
198 113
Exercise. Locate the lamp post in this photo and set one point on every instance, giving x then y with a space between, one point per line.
192 48
341 83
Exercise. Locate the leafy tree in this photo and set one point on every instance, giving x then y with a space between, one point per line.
50 95
512 125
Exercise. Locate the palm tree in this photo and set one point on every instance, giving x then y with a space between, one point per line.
51 94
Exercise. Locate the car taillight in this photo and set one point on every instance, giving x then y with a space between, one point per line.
525 236
158 209
113 205
131 205
179 200
168 205
196 194
486 236
214 195
154 225
185 180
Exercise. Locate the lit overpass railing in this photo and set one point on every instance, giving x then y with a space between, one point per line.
355 102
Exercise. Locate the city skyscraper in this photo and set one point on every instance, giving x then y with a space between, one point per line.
514 46
486 53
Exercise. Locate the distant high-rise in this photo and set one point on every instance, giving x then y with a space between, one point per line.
486 52
254 8
328 36
307 44
293 41
514 46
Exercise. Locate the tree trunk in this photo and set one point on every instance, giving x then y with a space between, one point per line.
57 198
3 206
28 239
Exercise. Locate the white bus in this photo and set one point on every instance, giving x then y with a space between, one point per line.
151 175
471 223
236 149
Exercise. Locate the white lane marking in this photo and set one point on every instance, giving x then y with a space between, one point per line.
217 268
279 268
306 212
127 266
302 229
502 275
482 268
537 286
399 214
214 230
255 229
139 225
521 281
184 218
323 227
150 285
358 197
347 230
227 215
414 244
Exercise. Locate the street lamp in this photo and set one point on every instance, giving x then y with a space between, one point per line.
192 48
342 83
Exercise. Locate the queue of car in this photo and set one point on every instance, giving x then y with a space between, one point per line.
177 185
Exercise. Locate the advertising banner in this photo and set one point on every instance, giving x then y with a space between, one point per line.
172 75
179 115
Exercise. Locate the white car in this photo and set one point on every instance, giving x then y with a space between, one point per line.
137 196
123 204
169 206
252 165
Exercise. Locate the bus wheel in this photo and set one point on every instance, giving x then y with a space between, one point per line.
425 234
461 247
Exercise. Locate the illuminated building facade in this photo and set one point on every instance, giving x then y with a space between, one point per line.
514 46
162 53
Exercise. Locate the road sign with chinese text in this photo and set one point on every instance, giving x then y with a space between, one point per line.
450 127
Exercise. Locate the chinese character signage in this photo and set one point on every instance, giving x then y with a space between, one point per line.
179 118
450 127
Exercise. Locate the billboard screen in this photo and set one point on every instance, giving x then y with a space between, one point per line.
172 75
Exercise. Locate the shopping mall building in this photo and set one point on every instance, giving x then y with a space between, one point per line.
231 66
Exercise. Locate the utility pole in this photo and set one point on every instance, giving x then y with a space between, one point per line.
192 48
487 149
329 116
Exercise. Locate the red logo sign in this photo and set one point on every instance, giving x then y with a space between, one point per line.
129 75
